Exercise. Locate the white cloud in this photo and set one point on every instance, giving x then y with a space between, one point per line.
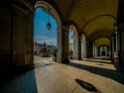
48 40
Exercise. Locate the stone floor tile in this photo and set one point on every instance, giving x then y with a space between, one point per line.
54 77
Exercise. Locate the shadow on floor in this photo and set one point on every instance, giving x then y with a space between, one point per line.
96 60
112 74
24 82
87 86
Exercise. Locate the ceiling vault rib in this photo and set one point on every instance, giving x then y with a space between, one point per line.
70 9
114 18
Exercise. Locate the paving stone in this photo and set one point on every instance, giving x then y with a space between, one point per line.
61 78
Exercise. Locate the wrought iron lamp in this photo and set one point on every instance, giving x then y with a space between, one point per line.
49 26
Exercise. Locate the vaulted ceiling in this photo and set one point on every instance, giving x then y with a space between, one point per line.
102 41
95 18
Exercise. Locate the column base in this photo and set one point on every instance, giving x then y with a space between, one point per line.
32 66
79 58
20 68
65 61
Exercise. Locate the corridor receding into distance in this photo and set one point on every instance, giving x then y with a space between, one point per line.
58 46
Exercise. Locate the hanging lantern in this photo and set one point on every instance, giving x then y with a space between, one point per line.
49 26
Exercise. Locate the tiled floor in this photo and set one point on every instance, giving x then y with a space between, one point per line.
76 77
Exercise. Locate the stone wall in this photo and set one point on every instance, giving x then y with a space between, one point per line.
65 45
5 34
16 35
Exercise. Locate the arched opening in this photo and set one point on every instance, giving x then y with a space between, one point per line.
104 51
102 48
99 17
53 26
103 27
73 42
45 39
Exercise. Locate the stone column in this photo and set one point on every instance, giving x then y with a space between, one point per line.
5 35
100 51
19 32
90 49
121 45
29 46
107 51
22 35
83 47
79 47
59 43
112 49
75 51
87 49
96 51
116 33
93 50
65 45
122 38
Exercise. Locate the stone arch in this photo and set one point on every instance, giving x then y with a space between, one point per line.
99 16
104 32
108 50
71 22
102 41
50 10
103 51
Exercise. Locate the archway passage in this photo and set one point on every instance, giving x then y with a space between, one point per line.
103 53
71 45
45 39
73 41
62 32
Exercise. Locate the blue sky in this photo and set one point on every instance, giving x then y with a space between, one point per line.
70 37
41 33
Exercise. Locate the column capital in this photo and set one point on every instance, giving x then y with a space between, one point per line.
66 29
